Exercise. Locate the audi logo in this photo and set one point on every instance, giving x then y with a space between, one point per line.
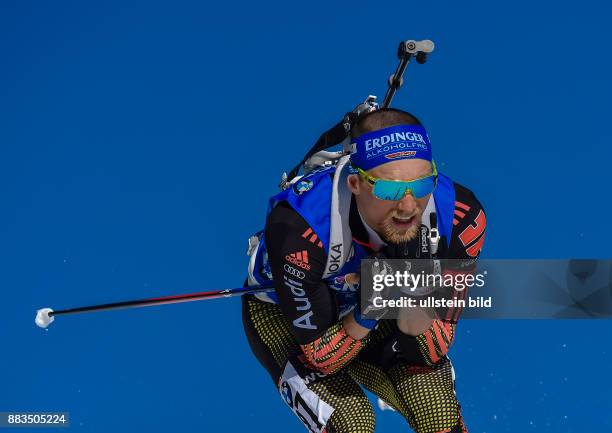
294 272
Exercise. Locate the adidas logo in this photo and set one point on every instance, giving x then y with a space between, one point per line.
299 259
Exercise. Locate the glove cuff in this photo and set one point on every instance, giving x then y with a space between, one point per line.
366 323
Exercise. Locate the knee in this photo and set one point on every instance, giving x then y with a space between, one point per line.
430 400
438 415
355 418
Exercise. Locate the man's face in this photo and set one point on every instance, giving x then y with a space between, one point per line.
395 221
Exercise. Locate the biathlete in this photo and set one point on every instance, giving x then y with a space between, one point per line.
309 333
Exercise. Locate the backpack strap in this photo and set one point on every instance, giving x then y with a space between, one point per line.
340 236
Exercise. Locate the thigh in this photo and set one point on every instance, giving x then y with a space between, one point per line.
425 396
371 366
268 335
331 403
428 396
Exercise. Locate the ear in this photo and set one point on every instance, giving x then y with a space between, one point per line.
353 184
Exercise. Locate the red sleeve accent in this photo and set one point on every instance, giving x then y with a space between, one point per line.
469 225
332 351
436 341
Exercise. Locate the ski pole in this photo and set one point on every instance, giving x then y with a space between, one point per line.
45 316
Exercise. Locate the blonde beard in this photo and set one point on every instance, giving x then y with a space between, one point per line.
394 236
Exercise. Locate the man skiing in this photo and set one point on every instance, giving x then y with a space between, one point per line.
387 198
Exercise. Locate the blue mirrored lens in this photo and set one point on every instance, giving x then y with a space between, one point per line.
422 187
395 190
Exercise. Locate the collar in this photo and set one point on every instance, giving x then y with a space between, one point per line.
375 241
363 234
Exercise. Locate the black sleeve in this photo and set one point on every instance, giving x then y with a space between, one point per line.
297 260
469 225
467 238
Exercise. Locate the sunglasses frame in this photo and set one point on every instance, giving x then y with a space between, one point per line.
371 180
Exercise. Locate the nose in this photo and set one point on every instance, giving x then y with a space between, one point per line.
407 204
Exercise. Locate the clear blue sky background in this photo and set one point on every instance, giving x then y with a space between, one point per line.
140 141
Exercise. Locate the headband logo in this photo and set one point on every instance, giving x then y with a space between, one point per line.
404 154
373 143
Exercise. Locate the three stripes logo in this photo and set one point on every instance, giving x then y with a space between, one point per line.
299 259
473 235
312 237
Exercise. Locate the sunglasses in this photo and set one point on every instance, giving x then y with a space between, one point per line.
385 189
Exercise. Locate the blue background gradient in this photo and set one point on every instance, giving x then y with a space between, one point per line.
140 141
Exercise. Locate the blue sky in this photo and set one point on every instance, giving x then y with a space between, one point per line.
140 141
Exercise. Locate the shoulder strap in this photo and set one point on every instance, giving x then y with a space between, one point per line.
444 196
340 237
